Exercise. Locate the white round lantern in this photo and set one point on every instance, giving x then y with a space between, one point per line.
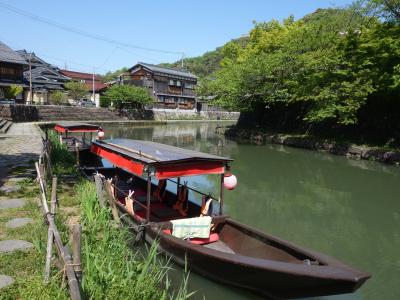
100 134
230 181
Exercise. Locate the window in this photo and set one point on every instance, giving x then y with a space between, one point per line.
171 82
160 98
178 83
189 85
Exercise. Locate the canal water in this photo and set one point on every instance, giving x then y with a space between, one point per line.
346 208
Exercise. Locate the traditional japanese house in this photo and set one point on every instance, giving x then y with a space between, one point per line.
12 66
170 88
45 77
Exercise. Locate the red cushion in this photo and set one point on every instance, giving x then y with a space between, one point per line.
214 237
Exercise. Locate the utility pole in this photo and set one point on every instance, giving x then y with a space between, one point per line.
183 56
30 79
93 93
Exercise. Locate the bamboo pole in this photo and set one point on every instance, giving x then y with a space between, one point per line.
76 250
221 196
50 231
45 207
148 197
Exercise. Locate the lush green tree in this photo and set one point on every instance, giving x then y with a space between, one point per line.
58 97
128 94
109 76
76 90
105 101
12 91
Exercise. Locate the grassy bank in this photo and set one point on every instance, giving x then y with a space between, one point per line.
112 269
26 267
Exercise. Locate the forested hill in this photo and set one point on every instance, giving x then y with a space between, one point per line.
207 63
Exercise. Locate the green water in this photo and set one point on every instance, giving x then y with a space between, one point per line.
345 208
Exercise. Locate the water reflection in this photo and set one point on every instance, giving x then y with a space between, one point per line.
346 208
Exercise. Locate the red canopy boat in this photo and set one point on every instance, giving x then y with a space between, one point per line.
80 141
233 253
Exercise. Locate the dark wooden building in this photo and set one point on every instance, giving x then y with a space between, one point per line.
46 78
12 67
170 88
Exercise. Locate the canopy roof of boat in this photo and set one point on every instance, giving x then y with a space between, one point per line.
76 127
163 161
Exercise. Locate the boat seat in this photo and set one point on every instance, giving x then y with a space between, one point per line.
214 237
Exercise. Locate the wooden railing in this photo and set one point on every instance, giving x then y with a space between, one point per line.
69 263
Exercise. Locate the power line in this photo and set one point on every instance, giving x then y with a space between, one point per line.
49 22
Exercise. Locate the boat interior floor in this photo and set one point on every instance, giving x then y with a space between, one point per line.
219 246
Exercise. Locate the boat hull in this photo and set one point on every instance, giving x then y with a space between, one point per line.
269 278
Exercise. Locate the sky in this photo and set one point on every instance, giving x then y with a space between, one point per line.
122 27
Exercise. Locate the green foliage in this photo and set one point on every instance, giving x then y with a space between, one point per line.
209 62
326 66
112 270
109 76
12 91
76 90
105 101
63 161
58 97
120 94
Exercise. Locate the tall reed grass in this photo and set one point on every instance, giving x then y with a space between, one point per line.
111 268
63 161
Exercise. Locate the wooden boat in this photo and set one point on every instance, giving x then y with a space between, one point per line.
233 253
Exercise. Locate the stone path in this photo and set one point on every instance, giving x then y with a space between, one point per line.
12 203
18 222
19 147
5 281
21 144
14 245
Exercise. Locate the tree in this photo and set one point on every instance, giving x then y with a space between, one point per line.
76 90
109 76
12 91
120 94
58 97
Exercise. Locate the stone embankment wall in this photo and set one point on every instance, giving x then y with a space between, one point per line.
312 143
26 113
172 114
19 113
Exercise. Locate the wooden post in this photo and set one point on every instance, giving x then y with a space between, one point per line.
73 284
76 250
48 255
77 154
111 201
64 253
221 195
177 186
148 196
53 200
50 231
99 190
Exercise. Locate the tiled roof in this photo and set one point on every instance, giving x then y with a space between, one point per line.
10 56
168 71
80 75
97 86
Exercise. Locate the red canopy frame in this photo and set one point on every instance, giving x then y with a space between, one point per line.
161 171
